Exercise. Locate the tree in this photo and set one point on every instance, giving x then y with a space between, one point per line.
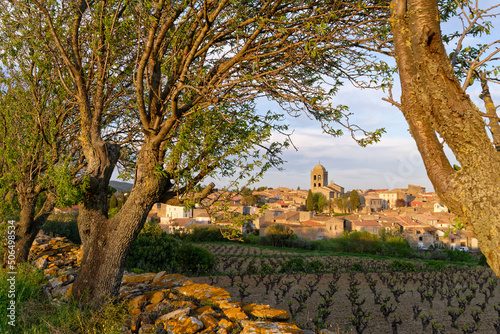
342 203
38 149
196 68
279 234
310 201
439 112
319 202
113 202
355 200
400 203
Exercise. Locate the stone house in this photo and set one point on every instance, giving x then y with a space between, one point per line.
370 226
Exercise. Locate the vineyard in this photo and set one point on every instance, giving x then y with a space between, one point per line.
361 295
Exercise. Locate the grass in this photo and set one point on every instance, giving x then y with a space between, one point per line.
35 314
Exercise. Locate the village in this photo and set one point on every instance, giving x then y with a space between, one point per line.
413 213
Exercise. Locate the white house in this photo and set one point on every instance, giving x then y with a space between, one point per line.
438 207
175 212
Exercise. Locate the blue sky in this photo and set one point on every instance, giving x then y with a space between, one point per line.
394 162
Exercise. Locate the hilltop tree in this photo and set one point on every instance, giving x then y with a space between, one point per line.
355 201
439 112
320 202
400 203
342 203
310 201
196 68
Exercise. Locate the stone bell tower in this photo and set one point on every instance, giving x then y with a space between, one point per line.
319 177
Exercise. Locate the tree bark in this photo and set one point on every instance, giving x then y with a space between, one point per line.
29 224
106 242
433 104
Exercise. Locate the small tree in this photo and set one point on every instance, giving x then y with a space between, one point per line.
113 202
319 202
400 203
310 201
278 234
355 200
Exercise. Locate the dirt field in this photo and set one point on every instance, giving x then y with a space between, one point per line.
456 283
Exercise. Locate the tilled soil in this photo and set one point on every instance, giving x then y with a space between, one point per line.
341 309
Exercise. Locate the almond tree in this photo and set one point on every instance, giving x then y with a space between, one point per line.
439 112
196 68
38 153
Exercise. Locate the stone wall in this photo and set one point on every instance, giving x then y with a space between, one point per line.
162 302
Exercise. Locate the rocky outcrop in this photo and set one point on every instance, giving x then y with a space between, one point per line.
162 302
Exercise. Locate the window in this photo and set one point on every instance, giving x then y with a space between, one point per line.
314 178
335 228
362 229
315 185
420 238
319 177
158 205
374 230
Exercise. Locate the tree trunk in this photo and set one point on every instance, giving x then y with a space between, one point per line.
29 225
433 104
106 242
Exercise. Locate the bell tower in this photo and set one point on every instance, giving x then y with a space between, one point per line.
319 177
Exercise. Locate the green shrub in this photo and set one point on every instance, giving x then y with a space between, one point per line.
153 251
295 265
203 234
332 245
315 266
398 265
277 235
358 266
251 239
458 256
361 242
396 247
434 265
195 259
482 260
64 225
298 243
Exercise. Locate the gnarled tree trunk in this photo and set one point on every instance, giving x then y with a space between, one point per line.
30 222
433 104
106 242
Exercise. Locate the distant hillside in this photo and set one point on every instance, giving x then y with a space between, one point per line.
121 186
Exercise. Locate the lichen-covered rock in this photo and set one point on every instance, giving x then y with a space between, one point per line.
205 292
266 312
161 300
137 278
186 325
175 314
266 327
169 280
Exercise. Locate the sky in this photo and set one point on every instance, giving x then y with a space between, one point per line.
394 162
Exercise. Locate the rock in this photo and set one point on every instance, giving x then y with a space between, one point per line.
145 329
175 314
170 280
137 278
158 300
188 325
266 327
266 312
205 292
41 262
